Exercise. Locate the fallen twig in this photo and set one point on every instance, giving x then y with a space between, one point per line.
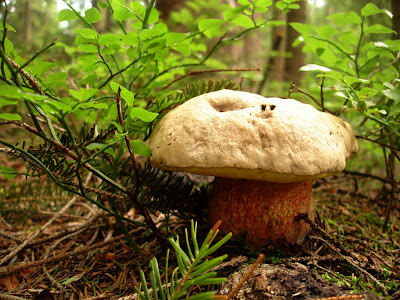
37 232
351 261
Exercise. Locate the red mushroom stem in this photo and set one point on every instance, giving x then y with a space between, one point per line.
266 210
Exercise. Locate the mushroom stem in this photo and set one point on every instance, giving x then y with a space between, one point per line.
266 210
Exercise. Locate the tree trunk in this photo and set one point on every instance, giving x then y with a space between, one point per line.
165 7
296 57
278 49
396 18
28 24
104 25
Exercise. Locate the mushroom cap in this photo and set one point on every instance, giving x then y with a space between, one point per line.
242 135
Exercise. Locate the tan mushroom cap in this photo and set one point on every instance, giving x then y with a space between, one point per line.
242 135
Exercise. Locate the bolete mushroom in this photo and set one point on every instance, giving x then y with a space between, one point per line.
264 154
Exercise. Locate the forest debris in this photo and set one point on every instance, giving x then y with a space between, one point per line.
282 282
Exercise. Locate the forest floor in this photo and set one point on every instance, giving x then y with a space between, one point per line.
56 246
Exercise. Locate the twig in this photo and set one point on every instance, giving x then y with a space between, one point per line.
344 297
293 86
377 142
194 73
35 234
64 150
11 236
22 266
10 297
36 55
133 196
351 261
99 192
383 67
366 175
241 282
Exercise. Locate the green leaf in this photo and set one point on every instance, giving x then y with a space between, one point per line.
392 94
87 33
143 114
66 15
202 296
88 61
314 67
370 9
263 3
92 15
93 104
139 147
125 94
231 13
10 117
107 51
93 146
348 38
303 29
350 80
243 21
8 46
210 27
122 13
8 27
109 39
326 31
138 8
131 39
347 18
173 38
88 48
366 93
41 68
183 48
7 172
149 33
334 75
83 94
73 279
5 102
378 28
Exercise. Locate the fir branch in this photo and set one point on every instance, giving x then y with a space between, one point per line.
193 73
133 196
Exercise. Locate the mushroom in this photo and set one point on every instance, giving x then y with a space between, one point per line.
264 154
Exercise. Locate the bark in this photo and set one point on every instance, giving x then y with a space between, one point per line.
274 66
28 24
165 7
296 57
396 18
278 50
104 25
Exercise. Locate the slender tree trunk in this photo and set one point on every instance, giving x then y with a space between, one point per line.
167 6
278 50
396 18
297 57
28 24
104 25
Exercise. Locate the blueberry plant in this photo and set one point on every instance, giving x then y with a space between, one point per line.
357 66
94 113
